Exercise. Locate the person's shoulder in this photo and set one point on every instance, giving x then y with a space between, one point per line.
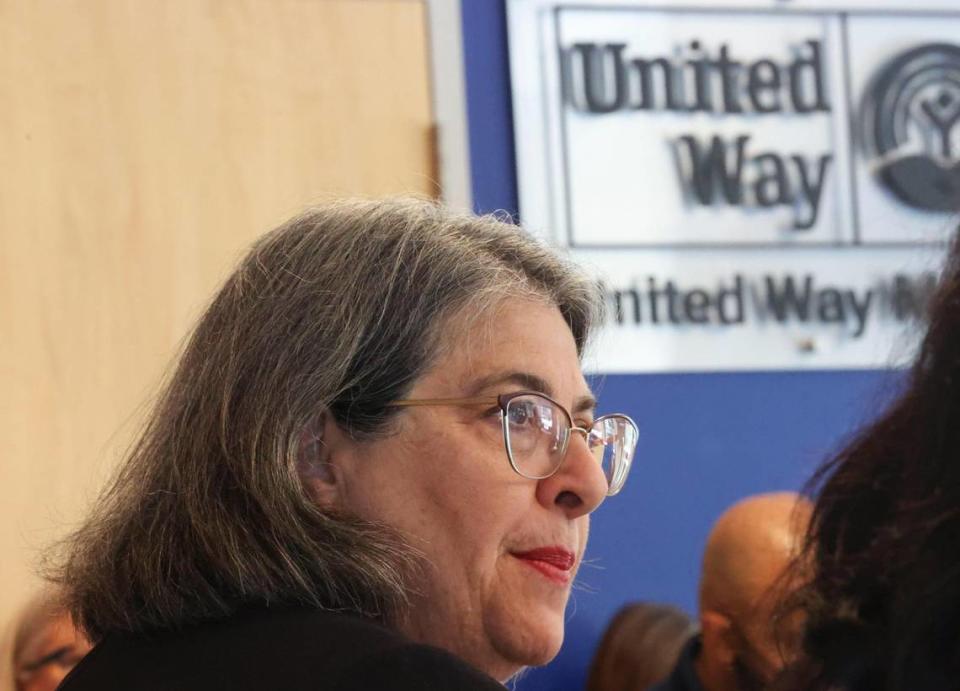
298 626
412 666
277 647
292 647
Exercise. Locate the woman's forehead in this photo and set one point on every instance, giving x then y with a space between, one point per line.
498 382
523 344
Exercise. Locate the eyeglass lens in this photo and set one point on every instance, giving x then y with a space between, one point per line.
613 440
537 434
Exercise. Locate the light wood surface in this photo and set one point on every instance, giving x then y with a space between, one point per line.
144 144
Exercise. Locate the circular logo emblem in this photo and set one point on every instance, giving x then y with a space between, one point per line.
913 127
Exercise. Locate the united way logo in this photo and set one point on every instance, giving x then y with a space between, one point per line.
912 127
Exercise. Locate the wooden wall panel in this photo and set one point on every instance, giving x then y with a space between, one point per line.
143 145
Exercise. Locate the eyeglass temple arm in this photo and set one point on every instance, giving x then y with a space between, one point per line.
479 400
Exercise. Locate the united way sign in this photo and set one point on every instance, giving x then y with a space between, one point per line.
759 185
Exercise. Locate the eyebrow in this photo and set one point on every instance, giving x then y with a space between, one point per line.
530 382
47 659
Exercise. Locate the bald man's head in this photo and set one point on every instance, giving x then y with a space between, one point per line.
742 585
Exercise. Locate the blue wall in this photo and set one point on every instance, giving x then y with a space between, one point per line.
706 439
493 167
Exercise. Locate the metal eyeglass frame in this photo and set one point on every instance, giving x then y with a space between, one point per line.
503 400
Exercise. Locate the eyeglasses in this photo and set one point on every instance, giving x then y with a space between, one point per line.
536 434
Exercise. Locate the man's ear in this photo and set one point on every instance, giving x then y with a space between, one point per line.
719 647
314 464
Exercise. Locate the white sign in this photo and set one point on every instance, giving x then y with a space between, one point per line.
759 188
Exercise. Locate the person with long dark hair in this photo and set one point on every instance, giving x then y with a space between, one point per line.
883 601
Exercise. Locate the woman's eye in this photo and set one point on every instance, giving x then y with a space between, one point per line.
519 415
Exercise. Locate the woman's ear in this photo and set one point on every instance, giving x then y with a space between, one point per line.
315 467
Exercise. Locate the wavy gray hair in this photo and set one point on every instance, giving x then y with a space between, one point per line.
341 310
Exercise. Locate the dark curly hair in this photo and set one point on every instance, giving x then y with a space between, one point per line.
883 599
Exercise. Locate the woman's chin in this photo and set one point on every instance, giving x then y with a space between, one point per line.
528 643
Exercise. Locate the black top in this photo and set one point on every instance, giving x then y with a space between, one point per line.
684 675
266 649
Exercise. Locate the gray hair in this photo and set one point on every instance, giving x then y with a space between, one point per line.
339 310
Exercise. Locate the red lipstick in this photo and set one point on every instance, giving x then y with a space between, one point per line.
555 563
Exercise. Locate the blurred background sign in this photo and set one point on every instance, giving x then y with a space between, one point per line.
759 188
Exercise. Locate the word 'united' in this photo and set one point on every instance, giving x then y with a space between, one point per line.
601 78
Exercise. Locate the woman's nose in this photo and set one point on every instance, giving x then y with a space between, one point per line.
579 485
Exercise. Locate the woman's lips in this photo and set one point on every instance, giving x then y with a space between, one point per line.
555 563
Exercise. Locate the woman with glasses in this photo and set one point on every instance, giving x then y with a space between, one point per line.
372 468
